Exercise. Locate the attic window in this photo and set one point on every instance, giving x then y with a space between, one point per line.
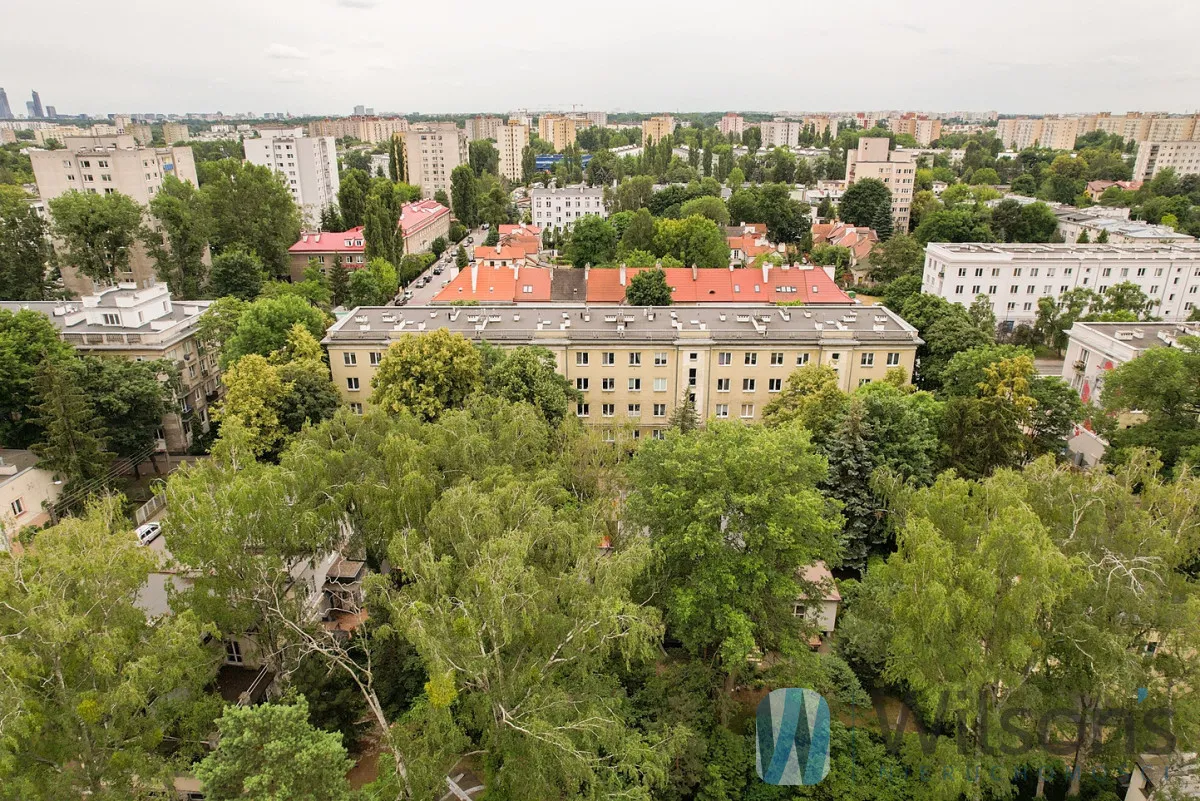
527 289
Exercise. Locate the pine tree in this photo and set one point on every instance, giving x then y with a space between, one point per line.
395 159
1103 238
460 257
684 418
850 466
74 443
339 283
881 221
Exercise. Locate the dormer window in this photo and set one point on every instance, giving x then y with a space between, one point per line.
112 319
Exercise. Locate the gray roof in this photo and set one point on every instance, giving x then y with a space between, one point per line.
1142 335
23 460
549 324
1178 250
165 322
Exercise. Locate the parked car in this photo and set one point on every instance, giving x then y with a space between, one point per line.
439 270
147 533
486 226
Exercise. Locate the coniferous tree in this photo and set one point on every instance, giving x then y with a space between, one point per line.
395 159
74 443
339 283
460 258
850 466
881 221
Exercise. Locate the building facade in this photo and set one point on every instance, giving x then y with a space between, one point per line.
1015 276
557 129
897 169
423 221
633 366
431 152
511 140
26 494
175 132
483 128
924 129
307 164
328 248
144 324
732 124
780 133
597 118
655 128
561 208
369 129
1183 156
1056 133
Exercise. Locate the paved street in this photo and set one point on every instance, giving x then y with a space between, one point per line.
423 295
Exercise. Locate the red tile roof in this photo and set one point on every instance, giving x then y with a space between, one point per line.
750 244
719 285
502 252
520 229
490 285
419 214
330 242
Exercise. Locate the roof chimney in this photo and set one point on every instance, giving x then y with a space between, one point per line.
695 272
766 272
622 273
474 276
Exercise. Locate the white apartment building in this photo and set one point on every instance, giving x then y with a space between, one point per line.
597 118
104 165
897 169
512 138
561 208
483 128
308 165
1015 276
431 152
781 133
732 124
1154 157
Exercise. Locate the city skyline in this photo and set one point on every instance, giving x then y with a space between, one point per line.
294 58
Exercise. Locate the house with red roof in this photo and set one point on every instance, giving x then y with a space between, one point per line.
498 284
422 222
328 248
1096 188
503 254
858 239
748 245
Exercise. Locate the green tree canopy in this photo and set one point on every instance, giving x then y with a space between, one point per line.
593 241
236 273
179 239
263 326
426 374
648 288
252 210
98 232
861 202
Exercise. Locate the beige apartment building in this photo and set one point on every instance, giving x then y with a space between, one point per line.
26 494
372 130
1056 133
780 133
822 123
1154 157
175 132
144 324
431 152
655 128
103 165
511 140
732 124
919 127
897 169
557 129
483 128
633 365
1141 127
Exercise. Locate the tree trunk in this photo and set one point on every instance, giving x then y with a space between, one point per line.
1083 748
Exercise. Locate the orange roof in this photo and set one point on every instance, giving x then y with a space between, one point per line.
530 243
419 214
750 244
604 284
720 285
520 229
491 284
330 242
502 252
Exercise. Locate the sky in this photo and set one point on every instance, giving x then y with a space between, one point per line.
440 56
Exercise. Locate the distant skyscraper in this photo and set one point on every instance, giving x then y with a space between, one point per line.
359 111
29 109
51 112
5 111
37 106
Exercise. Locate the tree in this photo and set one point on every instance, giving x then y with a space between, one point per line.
352 197
252 209
529 375
947 329
732 506
381 223
899 255
98 232
882 223
957 225
254 396
812 398
426 374
24 248
632 193
438 246
271 751
331 218
464 195
339 283
179 240
593 241
460 257
831 255
986 176
981 314
851 463
695 241
94 686
711 207
395 158
236 273
263 326
74 441
648 288
862 201
128 398
639 232
484 157
1164 385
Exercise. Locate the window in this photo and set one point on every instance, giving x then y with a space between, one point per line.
747 410
635 359
1017 272
893 359
608 409
349 359
352 383
581 359
658 433
608 358
660 358
862 382
660 410
18 507
112 319
1106 272
376 358
635 385
774 384
1014 289
958 289
581 384
660 385
777 359
608 384
751 358
233 653
747 385
581 410
724 358
693 356
802 359
722 410
867 360
635 410
723 384
356 408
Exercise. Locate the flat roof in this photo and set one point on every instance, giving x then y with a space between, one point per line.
19 458
1179 250
159 325
716 323
1141 335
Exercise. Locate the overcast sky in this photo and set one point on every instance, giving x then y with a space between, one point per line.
325 56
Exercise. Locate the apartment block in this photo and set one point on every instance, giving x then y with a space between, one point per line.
1154 157
822 123
633 366
483 128
1056 133
104 165
1015 276
780 133
431 152
557 129
597 118
920 127
561 208
897 170
372 130
655 128
511 140
144 324
308 165
175 132
732 124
